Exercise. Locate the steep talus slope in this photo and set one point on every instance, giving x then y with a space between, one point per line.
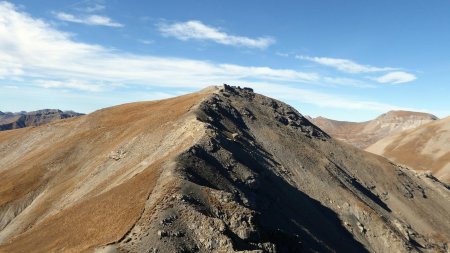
426 148
74 184
10 121
364 134
223 170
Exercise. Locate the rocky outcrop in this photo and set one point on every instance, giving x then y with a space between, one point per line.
222 170
364 134
10 120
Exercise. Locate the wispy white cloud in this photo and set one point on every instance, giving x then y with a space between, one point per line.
344 81
8 67
196 30
320 99
267 73
87 19
46 57
146 42
396 77
282 54
15 87
93 8
344 65
350 66
88 6
36 49
69 84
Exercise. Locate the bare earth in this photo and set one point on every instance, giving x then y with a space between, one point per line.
364 134
221 170
426 148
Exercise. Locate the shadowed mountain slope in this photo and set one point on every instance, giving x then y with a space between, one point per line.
425 148
221 170
364 134
10 120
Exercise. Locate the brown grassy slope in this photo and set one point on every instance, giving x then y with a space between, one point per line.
96 221
74 184
342 130
423 148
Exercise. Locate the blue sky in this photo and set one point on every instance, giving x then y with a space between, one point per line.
347 60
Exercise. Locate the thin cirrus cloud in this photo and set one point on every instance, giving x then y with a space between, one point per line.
68 84
96 20
325 100
396 77
344 65
196 30
349 66
25 42
93 8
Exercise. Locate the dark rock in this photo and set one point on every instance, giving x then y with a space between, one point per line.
162 233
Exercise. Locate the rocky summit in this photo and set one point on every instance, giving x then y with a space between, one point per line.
220 170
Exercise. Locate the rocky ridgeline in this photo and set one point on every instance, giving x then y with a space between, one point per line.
240 192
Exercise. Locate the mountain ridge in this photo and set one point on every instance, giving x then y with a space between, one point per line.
364 134
221 170
9 120
425 148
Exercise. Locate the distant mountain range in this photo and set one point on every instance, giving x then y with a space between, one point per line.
364 134
9 120
418 140
425 148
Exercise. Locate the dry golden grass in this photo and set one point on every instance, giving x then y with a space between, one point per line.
99 220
